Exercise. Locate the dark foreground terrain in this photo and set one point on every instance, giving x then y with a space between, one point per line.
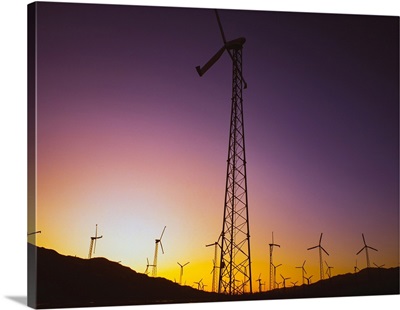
66 281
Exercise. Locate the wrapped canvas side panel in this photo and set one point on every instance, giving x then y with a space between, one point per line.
32 255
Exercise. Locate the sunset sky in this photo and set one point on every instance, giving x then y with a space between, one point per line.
129 137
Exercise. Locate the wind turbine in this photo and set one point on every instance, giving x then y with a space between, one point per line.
303 270
271 247
93 244
235 236
147 267
214 273
309 279
366 247
328 270
199 284
321 265
180 278
259 283
379 266
275 272
284 281
294 283
356 268
158 241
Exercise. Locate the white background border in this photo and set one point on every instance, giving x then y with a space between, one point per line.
13 95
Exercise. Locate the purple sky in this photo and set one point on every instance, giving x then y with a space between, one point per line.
120 106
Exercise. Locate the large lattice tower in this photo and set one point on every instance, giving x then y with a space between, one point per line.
235 261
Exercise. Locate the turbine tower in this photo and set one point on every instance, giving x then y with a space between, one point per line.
158 241
180 277
92 248
321 265
366 247
235 259
271 247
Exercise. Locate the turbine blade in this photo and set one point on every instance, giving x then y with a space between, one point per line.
372 248
320 238
363 239
162 249
313 247
202 70
163 232
325 251
220 27
360 251
94 249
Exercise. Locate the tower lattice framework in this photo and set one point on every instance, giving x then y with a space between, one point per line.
235 262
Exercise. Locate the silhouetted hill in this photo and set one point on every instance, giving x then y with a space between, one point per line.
66 281
369 281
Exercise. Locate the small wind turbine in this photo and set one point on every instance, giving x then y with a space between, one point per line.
147 267
284 281
199 284
379 266
294 283
259 283
356 268
328 270
271 248
303 270
308 280
158 241
366 247
180 278
93 244
278 284
274 267
214 273
321 265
